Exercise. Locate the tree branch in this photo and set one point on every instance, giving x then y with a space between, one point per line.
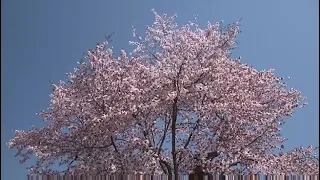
191 134
163 137
165 163
255 139
74 159
189 139
113 144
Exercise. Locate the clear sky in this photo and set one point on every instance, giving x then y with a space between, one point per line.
43 40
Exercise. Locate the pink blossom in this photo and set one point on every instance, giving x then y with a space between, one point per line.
176 102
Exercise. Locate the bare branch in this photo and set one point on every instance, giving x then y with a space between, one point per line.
113 144
163 137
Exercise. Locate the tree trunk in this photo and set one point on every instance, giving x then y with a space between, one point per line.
173 129
198 174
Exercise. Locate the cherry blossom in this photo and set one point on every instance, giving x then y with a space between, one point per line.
176 102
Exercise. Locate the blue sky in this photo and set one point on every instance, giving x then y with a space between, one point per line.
43 40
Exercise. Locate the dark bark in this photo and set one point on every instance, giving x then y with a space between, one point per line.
198 174
168 168
173 131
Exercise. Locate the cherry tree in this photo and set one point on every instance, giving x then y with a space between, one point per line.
178 102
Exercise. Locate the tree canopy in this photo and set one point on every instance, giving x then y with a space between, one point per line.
177 102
